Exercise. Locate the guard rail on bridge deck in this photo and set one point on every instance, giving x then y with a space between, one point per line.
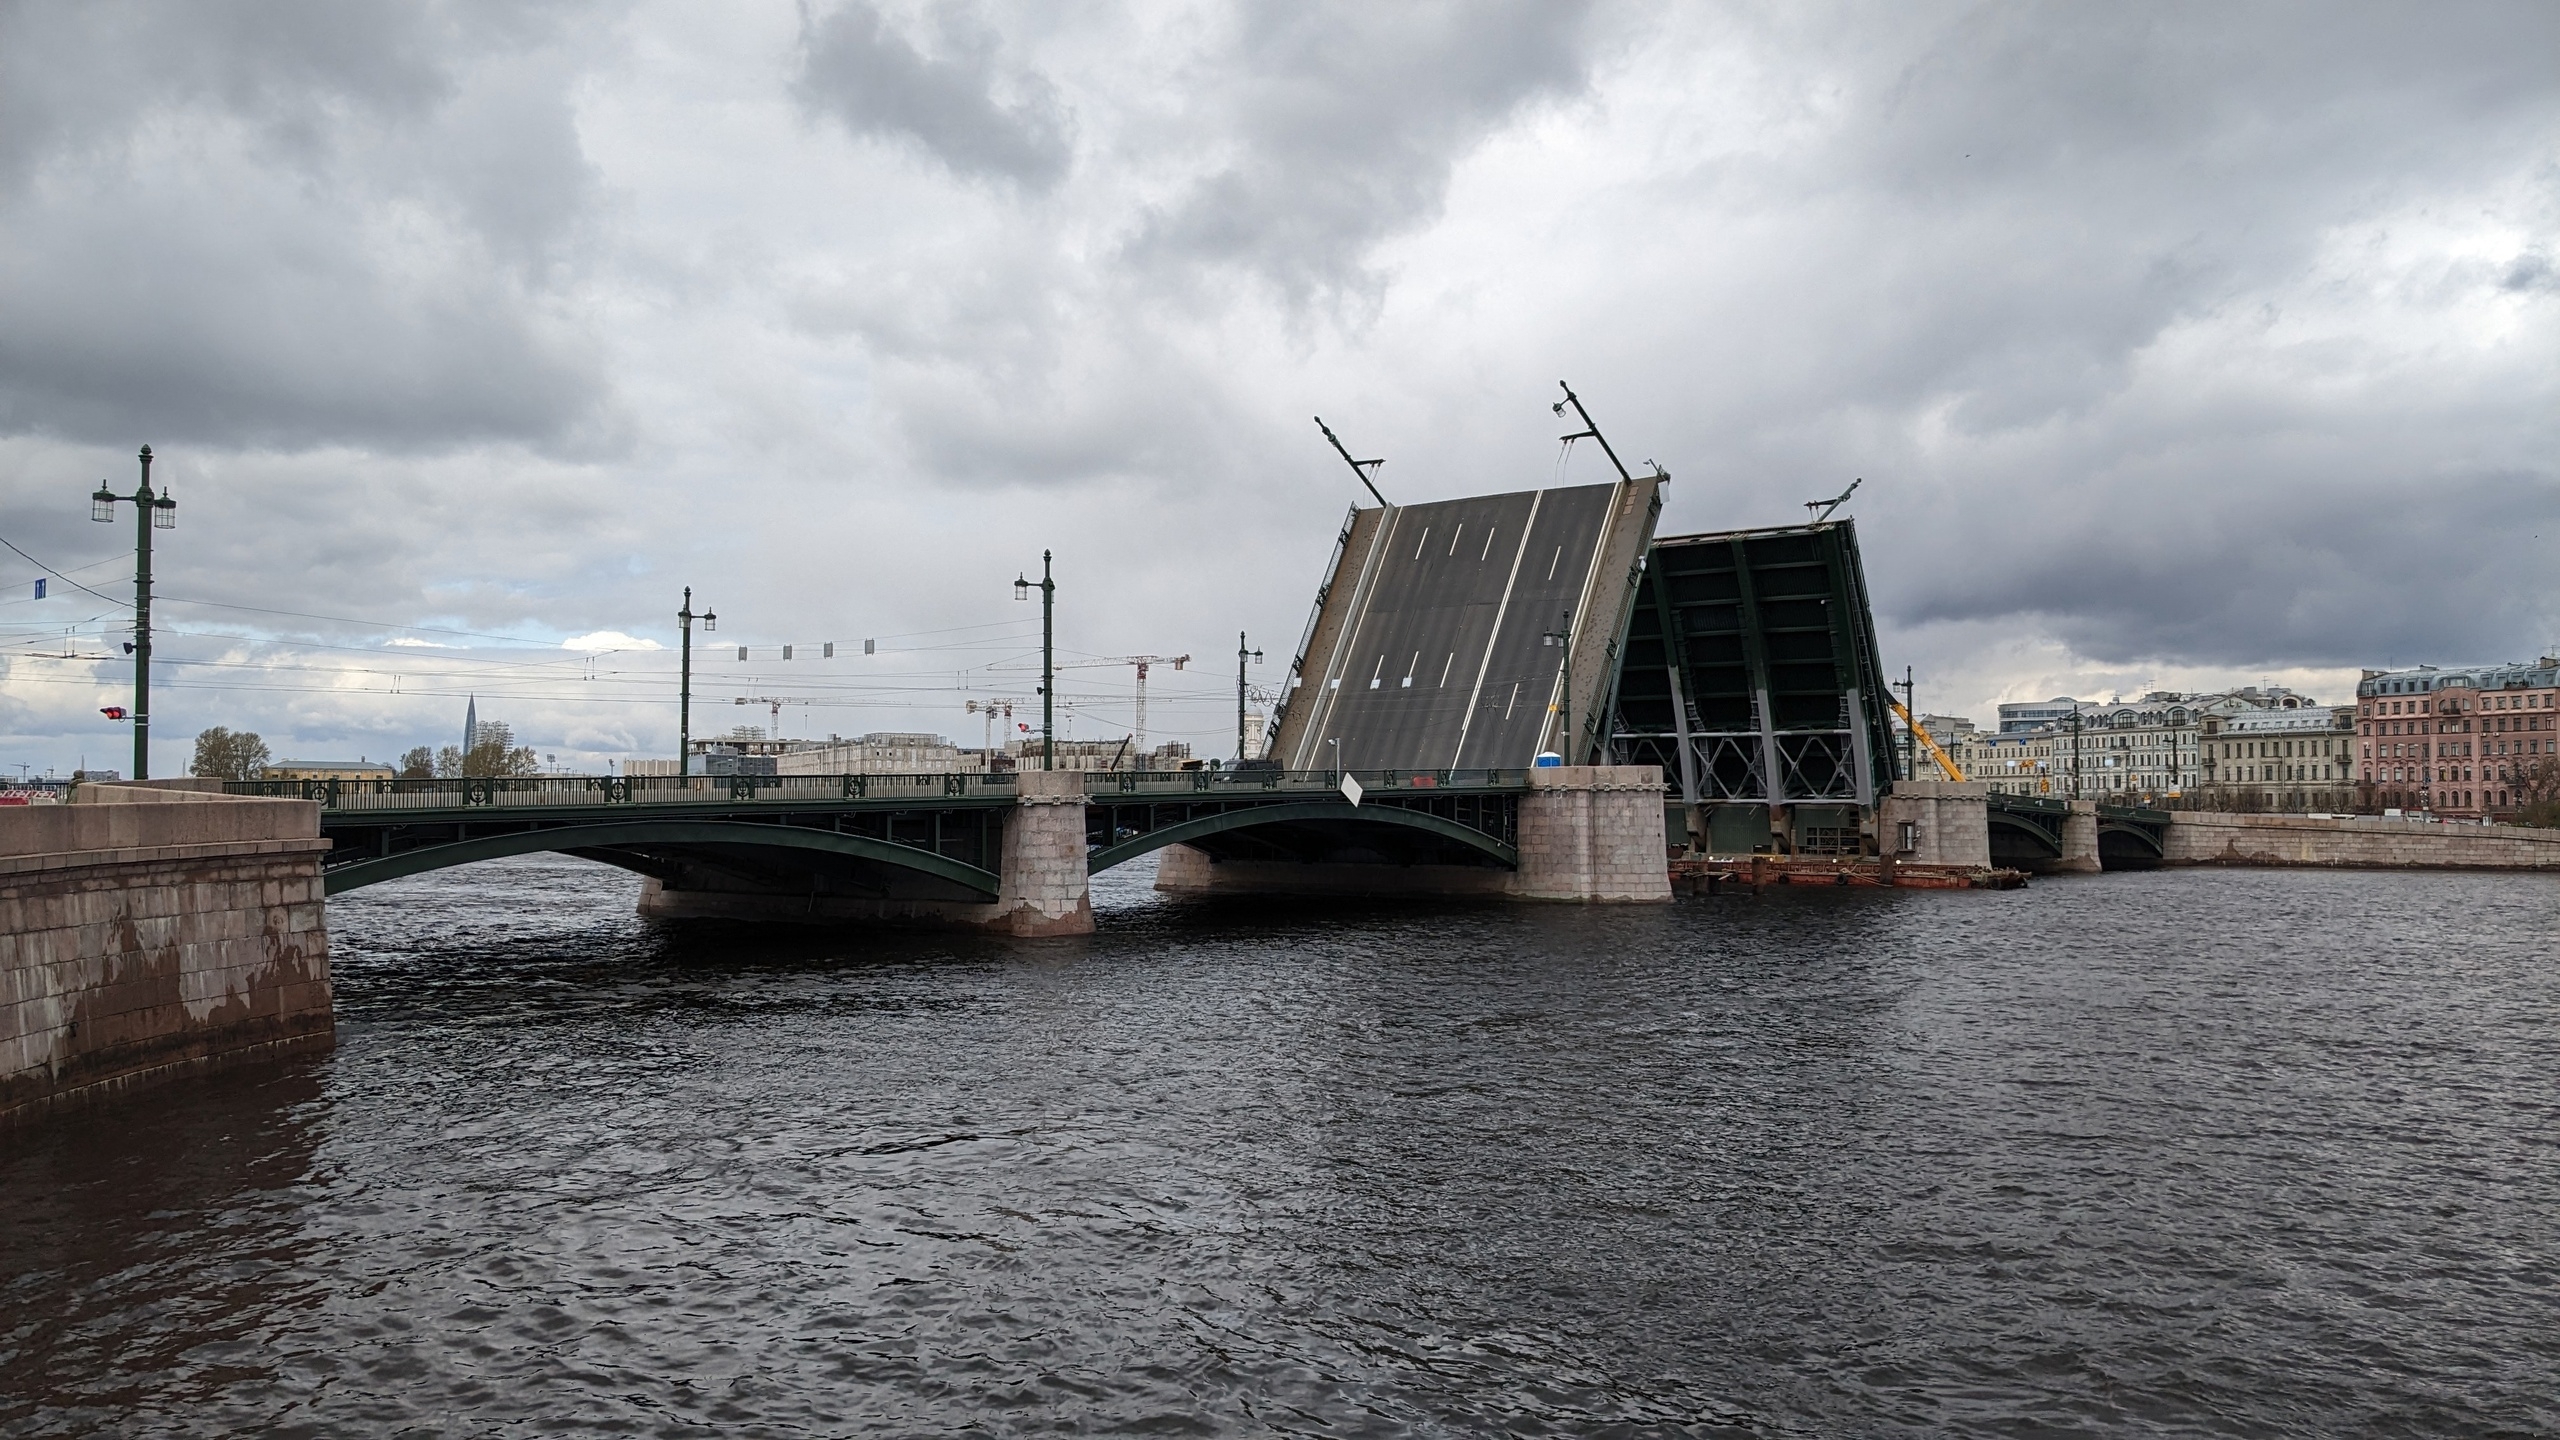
944 825
573 790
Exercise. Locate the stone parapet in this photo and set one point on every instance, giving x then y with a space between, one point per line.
2356 842
144 936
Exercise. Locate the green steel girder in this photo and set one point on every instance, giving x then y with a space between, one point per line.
2041 820
1244 817
2150 837
654 833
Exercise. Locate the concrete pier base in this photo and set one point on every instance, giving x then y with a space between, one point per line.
147 934
2079 840
1938 822
1042 890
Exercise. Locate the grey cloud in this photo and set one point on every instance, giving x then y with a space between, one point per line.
2050 188
875 82
293 226
1348 119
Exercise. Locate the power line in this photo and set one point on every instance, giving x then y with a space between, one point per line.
56 574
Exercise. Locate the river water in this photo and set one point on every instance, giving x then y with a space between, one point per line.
2257 1153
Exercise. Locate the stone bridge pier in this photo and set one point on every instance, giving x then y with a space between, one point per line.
1937 822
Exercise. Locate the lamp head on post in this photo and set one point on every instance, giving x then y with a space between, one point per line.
164 513
1021 586
102 506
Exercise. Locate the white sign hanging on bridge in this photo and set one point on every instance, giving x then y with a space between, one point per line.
1351 790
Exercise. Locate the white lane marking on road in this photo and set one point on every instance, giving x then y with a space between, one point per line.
1552 564
1425 540
1444 669
1515 700
1488 542
1380 671
1407 682
1348 643
1467 722
1454 534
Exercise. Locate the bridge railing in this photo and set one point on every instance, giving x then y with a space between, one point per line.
1109 784
548 791
552 791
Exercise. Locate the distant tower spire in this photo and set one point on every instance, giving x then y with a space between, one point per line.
471 725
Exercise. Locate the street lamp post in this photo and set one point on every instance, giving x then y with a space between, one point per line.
150 512
2075 751
1242 654
684 680
1563 635
1048 656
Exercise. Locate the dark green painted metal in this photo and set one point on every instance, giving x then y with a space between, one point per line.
630 831
1760 644
1247 816
2152 838
2039 819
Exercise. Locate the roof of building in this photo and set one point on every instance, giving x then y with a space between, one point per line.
2426 678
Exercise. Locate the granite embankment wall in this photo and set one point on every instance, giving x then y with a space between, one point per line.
148 932
2210 838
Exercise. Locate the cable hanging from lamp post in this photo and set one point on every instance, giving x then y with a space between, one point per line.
150 512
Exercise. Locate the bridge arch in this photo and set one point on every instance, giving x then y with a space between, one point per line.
2126 845
2016 836
1302 812
650 846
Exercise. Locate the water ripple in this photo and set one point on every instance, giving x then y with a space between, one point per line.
2178 1153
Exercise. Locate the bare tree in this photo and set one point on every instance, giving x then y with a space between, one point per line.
2537 790
229 755
418 764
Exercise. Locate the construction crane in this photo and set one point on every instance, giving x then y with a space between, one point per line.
990 709
1138 737
1927 741
776 702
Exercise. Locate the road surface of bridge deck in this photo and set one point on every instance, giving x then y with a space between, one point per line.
1429 644
946 830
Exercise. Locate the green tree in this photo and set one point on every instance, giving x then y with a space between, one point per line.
225 754
418 764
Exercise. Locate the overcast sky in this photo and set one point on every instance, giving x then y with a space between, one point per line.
2177 345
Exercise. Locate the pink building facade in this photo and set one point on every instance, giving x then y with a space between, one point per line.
2451 742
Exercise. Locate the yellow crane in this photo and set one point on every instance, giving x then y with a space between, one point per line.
1927 741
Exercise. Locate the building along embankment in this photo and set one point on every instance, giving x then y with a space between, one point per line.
152 930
